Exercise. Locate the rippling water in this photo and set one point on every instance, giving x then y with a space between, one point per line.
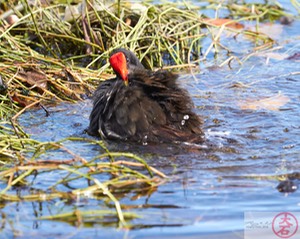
211 186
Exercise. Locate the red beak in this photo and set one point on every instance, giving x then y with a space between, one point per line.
119 64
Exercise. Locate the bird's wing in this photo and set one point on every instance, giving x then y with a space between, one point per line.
132 114
101 97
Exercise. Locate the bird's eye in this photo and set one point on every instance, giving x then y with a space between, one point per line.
127 59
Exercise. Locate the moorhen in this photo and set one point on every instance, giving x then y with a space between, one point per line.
143 106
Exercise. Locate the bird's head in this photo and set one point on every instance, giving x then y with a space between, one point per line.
124 62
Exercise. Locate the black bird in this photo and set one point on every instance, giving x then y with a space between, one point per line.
143 106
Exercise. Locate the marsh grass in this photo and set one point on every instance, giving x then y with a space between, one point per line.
47 57
123 176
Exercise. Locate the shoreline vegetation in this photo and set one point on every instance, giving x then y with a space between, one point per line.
56 51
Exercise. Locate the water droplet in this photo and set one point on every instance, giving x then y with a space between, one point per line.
186 117
145 140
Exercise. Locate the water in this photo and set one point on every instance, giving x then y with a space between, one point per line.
210 187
